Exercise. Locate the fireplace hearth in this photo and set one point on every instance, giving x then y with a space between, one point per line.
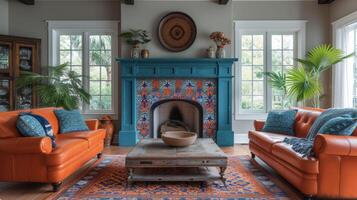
193 94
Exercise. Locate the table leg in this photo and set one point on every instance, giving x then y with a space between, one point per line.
222 170
130 176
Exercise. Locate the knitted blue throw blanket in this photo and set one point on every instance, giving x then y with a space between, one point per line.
304 145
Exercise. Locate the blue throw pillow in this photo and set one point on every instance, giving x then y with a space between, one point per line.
343 125
31 125
280 122
71 121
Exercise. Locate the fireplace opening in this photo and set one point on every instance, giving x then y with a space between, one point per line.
170 115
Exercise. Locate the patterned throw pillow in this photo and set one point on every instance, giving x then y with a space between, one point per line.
70 121
280 122
29 126
32 125
344 125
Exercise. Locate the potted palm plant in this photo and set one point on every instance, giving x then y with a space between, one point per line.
303 82
61 87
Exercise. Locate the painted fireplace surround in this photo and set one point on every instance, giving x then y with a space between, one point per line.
205 82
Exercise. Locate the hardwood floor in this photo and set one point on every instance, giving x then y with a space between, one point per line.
38 191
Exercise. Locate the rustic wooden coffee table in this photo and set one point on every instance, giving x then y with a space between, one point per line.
152 160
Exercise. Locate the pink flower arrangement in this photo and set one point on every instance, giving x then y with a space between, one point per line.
220 39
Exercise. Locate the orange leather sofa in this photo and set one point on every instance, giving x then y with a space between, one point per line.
331 173
32 159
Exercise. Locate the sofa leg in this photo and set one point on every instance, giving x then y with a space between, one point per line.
56 186
252 155
99 155
309 197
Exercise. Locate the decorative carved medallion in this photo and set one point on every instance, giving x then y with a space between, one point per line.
177 31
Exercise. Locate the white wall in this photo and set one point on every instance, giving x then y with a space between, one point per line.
4 17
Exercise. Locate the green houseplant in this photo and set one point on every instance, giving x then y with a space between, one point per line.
135 38
60 88
303 82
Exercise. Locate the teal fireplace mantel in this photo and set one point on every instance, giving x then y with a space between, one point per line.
163 68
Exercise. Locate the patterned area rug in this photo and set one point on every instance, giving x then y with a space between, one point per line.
106 179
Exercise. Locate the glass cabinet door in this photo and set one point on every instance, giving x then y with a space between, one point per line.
25 62
5 90
5 57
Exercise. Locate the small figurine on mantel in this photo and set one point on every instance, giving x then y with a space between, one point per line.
221 41
135 38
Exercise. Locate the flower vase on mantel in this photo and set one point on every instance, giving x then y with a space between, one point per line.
221 52
135 52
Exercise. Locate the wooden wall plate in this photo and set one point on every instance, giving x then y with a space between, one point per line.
177 31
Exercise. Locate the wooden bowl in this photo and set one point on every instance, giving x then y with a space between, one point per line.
179 138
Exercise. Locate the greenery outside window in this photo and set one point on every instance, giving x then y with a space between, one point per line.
90 50
264 46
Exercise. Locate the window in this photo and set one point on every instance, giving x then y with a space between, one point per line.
89 49
264 47
344 89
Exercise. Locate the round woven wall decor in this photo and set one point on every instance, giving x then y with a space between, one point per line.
177 31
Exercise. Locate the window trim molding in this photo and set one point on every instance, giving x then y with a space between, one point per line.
55 27
239 26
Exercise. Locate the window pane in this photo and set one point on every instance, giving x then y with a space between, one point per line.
246 102
258 102
258 58
288 42
76 58
258 88
94 73
94 42
246 73
247 58
276 42
65 42
247 42
95 58
277 57
106 88
106 73
76 42
258 42
106 102
247 88
288 58
258 72
94 87
107 42
95 103
65 57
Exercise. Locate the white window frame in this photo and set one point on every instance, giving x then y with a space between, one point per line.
341 98
268 26
86 28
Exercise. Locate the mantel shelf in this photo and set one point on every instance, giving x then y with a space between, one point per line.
175 60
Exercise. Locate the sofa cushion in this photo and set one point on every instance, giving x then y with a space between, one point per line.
304 120
284 152
71 121
344 125
93 137
29 126
265 140
280 122
66 149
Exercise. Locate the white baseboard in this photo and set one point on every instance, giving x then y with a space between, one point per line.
241 139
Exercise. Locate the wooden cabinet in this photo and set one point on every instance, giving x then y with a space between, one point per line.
17 54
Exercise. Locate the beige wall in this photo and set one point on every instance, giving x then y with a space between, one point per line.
341 8
4 17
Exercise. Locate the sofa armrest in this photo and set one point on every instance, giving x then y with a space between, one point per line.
93 124
258 125
335 145
26 145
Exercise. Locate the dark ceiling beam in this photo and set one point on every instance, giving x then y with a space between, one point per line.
223 2
28 2
325 1
129 2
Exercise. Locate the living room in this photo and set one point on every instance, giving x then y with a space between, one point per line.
178 99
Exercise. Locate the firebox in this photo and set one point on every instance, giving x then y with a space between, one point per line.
160 94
